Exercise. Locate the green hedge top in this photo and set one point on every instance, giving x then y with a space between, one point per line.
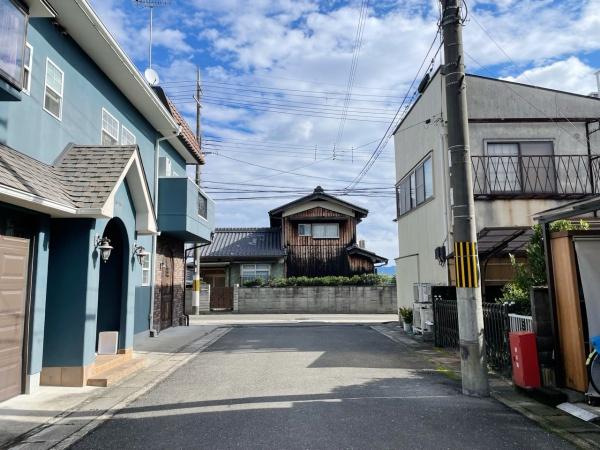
356 280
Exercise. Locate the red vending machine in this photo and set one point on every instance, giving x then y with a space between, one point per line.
525 368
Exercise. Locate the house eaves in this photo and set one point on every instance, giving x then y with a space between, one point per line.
85 27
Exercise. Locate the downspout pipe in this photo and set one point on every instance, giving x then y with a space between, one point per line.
154 332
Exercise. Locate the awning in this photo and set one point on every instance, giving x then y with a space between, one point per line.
500 241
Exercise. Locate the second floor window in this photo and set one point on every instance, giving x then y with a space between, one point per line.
127 137
13 29
202 206
27 69
304 229
416 187
325 230
110 129
53 90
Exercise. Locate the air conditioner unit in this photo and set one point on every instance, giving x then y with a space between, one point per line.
422 317
164 167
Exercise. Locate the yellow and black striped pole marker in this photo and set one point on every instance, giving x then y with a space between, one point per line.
466 264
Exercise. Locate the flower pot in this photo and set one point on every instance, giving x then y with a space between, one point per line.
407 327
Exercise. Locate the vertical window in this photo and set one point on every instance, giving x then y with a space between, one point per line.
503 167
304 229
146 271
202 205
13 30
127 137
428 175
28 62
420 184
110 129
53 90
413 191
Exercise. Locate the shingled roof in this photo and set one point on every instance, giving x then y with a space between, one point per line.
244 243
79 182
187 136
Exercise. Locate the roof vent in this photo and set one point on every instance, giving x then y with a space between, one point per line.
597 93
361 244
319 190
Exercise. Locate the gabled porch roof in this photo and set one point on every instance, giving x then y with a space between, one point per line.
82 182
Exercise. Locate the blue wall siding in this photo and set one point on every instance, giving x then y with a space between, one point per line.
86 91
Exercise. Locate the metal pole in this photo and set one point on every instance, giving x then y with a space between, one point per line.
150 42
468 291
196 281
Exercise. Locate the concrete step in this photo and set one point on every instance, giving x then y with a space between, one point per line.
106 362
116 373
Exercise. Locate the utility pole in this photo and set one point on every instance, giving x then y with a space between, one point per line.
468 291
196 281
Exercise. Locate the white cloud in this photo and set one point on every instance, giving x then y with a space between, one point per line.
570 75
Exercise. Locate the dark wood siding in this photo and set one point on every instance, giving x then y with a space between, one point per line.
320 257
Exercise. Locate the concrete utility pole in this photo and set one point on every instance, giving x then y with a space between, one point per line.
468 291
196 281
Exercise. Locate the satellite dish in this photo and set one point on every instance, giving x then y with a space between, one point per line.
151 77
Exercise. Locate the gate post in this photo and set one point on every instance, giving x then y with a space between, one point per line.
236 298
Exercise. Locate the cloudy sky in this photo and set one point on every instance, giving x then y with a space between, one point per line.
278 116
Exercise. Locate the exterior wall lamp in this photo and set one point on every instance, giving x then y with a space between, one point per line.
104 247
141 254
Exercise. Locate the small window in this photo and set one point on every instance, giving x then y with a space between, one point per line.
146 267
304 229
202 205
251 272
13 30
53 90
110 129
326 230
127 137
428 174
28 62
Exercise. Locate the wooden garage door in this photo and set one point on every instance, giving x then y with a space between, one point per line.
14 256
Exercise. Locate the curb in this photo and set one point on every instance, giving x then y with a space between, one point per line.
504 392
38 435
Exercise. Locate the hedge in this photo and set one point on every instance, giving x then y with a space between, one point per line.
356 280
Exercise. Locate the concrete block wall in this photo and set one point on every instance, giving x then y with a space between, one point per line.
317 299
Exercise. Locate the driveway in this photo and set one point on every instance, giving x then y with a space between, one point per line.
313 386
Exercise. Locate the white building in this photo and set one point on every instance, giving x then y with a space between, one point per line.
531 148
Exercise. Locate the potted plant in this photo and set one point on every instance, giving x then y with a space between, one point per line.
407 318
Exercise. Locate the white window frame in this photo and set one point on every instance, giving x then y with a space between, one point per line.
308 225
327 224
60 94
146 268
125 130
102 130
252 270
27 66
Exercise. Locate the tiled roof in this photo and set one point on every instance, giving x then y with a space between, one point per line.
82 176
187 136
356 250
318 194
244 242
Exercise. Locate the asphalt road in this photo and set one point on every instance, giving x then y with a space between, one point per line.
308 387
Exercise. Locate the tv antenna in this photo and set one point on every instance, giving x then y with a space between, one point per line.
151 4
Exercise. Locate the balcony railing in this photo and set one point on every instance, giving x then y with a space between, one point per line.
548 176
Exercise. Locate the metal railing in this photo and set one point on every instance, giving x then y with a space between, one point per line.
520 323
496 327
547 176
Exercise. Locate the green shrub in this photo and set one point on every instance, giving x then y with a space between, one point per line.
259 282
355 280
406 314
533 272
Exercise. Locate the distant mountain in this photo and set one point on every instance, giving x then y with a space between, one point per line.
387 270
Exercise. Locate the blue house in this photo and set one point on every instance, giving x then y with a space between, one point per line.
92 169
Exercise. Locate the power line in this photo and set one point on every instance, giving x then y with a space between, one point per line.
352 73
387 135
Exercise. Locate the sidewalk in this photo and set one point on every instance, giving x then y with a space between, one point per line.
580 433
55 416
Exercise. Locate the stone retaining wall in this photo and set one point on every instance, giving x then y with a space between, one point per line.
317 299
